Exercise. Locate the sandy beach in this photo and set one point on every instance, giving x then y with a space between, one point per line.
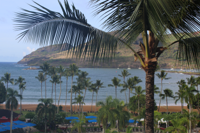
87 108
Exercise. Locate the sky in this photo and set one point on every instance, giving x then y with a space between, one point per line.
13 50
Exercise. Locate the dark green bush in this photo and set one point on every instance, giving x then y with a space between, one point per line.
30 115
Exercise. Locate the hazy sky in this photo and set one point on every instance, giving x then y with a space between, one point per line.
11 49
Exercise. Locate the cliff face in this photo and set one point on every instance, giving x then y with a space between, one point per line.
123 59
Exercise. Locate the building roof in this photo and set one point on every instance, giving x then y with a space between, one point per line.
6 114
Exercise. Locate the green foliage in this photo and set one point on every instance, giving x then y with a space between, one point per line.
2 93
30 115
60 108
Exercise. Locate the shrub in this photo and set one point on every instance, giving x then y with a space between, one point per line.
60 108
21 119
30 115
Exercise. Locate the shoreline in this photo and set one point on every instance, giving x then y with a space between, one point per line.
181 72
87 108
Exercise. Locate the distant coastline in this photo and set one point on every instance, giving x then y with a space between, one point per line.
188 73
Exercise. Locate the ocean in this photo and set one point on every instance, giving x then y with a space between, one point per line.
33 86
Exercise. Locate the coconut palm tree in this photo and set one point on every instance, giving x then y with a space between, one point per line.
78 100
3 93
55 80
138 93
189 96
105 113
156 90
153 19
167 93
41 78
45 69
92 88
128 85
52 72
115 83
99 85
191 81
124 74
12 103
22 87
45 107
73 69
61 71
180 96
197 84
162 75
177 126
66 74
7 79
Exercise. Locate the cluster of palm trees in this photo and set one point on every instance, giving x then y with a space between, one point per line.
20 82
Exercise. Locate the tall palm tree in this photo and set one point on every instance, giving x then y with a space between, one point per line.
189 96
115 83
41 78
52 73
128 85
12 103
180 96
197 84
99 85
79 100
162 75
55 80
73 71
45 107
105 113
167 93
61 71
92 88
124 74
138 93
153 19
156 90
22 87
66 74
7 79
3 93
45 69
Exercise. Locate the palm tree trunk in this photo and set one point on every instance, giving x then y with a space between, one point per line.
66 95
52 92
11 120
92 99
83 102
20 102
115 92
59 97
190 123
160 97
79 109
71 98
96 101
125 96
138 107
55 94
167 111
198 99
74 104
41 89
45 88
7 85
149 113
181 106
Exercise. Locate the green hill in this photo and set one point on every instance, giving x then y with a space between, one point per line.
123 59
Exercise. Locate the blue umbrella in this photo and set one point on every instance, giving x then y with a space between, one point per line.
19 126
1 130
94 120
6 123
19 122
90 117
71 118
29 124
132 121
7 128
74 121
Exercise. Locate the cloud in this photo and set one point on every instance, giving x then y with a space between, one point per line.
30 50
24 53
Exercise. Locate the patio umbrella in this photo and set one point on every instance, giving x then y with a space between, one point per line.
90 117
7 128
71 118
29 124
19 126
94 120
1 130
132 121
19 122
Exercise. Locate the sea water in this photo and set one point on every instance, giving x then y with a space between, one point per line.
33 86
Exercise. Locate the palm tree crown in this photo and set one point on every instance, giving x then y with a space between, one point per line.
7 79
115 83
